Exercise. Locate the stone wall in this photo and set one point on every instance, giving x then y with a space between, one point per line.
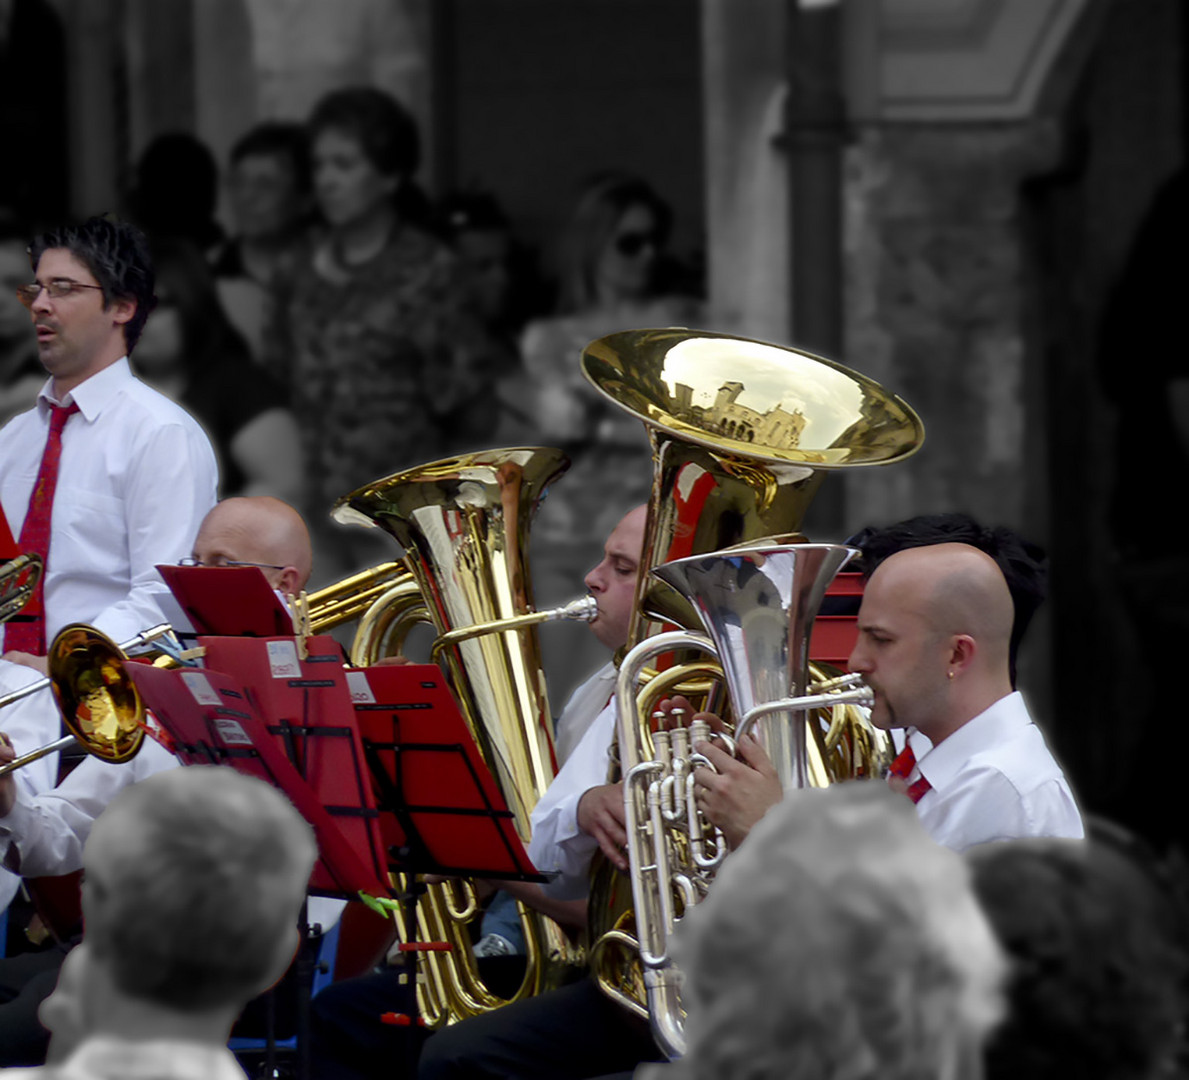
935 312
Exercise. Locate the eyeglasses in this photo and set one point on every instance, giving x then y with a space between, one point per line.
189 560
632 243
57 288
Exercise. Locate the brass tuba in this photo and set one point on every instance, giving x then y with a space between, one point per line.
742 433
463 523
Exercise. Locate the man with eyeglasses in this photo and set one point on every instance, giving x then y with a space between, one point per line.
104 477
43 834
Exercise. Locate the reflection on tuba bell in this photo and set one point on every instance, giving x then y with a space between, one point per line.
464 525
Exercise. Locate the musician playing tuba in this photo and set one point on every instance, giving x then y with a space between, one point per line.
565 836
945 602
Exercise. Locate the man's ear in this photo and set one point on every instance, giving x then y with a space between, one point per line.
288 581
962 651
122 309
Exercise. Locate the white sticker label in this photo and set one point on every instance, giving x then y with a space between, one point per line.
361 689
282 660
200 688
232 733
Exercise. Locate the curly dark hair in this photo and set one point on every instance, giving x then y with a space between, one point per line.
1097 934
117 254
1023 563
385 129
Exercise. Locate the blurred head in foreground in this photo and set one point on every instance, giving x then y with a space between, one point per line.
1096 932
193 883
839 941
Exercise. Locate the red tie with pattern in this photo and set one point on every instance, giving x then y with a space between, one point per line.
902 767
29 636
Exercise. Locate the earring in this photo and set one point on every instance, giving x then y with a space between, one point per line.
951 674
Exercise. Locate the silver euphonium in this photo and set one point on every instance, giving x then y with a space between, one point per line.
757 603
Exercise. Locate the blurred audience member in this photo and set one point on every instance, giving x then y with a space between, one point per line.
1097 932
21 373
221 861
613 278
191 352
498 289
839 940
373 339
268 185
176 190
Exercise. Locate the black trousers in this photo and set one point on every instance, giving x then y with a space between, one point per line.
570 1034
349 1041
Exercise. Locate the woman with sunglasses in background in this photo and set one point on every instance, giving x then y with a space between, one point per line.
614 275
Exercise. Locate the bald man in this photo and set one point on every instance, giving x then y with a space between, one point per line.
258 531
934 632
44 834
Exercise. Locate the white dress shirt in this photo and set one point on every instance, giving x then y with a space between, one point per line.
993 779
44 835
136 477
558 846
580 711
105 1057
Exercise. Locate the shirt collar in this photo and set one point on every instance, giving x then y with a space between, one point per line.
109 1056
91 395
940 764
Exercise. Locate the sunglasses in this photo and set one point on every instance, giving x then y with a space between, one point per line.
630 244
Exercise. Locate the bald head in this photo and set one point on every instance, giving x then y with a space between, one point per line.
934 632
258 529
955 589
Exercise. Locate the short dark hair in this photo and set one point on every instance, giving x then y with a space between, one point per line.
1096 931
117 254
1024 564
221 861
385 129
277 138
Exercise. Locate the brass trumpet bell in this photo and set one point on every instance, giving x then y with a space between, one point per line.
99 701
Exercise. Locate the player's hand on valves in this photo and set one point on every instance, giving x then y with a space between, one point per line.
600 814
740 792
678 712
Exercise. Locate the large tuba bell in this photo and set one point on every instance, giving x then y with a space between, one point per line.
464 525
742 433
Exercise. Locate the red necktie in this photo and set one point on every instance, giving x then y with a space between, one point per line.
29 636
902 767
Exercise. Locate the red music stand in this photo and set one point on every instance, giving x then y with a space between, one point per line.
431 782
231 601
211 720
